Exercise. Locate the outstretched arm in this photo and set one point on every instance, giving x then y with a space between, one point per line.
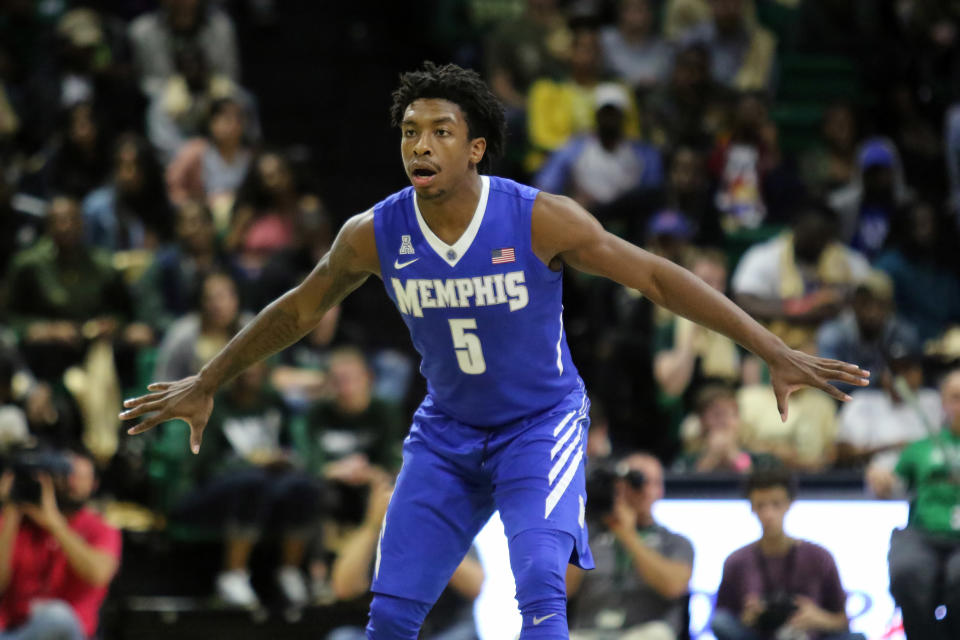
351 259
565 233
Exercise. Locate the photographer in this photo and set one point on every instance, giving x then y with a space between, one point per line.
57 557
642 569
779 587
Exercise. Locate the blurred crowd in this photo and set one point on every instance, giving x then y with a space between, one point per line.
802 156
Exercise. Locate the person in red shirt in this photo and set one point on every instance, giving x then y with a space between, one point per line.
57 558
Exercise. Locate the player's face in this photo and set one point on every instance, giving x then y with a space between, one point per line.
771 506
438 152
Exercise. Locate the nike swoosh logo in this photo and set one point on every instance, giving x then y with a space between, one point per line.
400 265
537 620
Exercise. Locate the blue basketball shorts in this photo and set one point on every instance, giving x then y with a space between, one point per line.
454 476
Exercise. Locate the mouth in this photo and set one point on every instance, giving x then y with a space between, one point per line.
422 175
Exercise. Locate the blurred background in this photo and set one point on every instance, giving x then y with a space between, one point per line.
168 167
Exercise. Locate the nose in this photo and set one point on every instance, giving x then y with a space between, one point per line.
422 146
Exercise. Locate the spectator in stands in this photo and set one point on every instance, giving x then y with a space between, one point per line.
211 168
63 293
686 190
668 235
52 419
633 50
690 109
78 159
742 53
600 167
131 211
868 204
451 618
688 355
534 46
301 372
853 28
718 441
804 441
831 163
196 337
877 424
243 481
558 109
753 182
84 62
18 229
800 278
642 570
925 555
355 435
184 107
57 557
158 35
265 212
923 259
779 586
287 267
865 332
171 284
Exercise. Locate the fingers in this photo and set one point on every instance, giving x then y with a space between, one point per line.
141 409
843 376
831 390
782 394
835 366
147 424
130 403
159 386
196 437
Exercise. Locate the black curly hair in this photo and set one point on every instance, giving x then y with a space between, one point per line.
466 89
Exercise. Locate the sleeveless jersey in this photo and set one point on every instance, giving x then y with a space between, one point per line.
485 313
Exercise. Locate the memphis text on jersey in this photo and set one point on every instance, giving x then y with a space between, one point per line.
416 294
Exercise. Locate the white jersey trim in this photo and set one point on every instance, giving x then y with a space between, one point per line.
460 247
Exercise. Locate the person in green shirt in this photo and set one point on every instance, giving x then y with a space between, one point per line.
246 479
354 437
61 294
925 555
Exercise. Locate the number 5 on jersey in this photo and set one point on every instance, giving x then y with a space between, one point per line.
467 346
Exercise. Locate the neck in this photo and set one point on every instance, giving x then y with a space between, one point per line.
609 142
635 36
448 215
775 544
228 150
584 77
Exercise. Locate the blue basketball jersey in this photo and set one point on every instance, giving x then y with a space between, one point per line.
485 313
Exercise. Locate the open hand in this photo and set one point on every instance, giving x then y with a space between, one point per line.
791 370
185 399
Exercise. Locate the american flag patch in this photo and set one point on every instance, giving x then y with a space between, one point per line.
501 256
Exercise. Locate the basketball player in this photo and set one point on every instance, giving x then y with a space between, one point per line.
473 264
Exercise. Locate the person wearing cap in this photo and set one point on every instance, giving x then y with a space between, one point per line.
878 423
867 204
598 168
557 110
864 332
924 556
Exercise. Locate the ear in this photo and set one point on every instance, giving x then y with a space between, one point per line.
478 146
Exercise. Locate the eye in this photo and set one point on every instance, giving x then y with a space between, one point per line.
409 133
442 132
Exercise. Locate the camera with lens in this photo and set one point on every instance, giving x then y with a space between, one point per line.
27 464
779 607
601 487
